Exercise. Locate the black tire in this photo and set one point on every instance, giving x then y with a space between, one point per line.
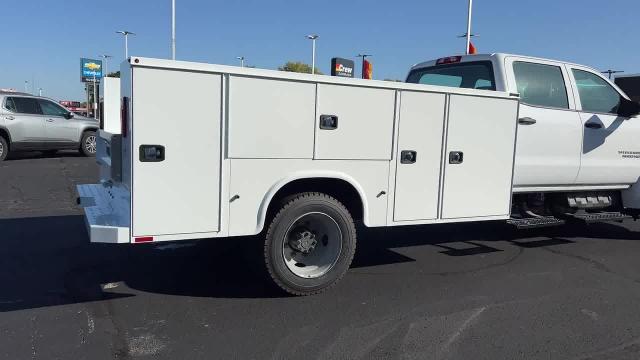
88 144
312 208
4 148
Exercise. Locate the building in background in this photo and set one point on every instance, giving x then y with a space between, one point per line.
75 107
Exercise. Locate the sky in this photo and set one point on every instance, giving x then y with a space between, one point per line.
43 40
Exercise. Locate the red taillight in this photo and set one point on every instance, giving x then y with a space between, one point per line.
143 239
449 60
124 116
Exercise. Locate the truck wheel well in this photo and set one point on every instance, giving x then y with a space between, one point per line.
340 189
5 134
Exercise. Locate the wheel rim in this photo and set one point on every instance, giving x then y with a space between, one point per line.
90 144
312 245
1 149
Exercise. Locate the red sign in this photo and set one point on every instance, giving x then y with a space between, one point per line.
367 70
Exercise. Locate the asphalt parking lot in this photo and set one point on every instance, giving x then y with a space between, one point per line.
466 291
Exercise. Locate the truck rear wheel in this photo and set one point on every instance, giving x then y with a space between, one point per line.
310 244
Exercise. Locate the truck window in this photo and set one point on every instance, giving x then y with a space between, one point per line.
51 109
471 75
541 85
27 105
596 95
9 105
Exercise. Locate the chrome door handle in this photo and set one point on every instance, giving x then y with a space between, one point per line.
527 121
50 120
10 117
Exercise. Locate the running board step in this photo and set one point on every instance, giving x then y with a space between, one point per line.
535 222
598 217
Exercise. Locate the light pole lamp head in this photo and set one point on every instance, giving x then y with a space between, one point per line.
312 37
125 32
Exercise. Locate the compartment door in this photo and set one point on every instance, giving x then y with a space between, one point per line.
419 156
354 123
176 152
479 157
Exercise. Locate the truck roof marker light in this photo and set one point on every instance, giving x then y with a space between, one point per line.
143 239
449 60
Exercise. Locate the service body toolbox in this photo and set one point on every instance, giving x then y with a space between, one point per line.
218 151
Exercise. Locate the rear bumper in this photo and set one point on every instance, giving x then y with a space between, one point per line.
106 213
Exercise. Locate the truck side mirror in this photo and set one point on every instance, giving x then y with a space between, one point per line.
628 108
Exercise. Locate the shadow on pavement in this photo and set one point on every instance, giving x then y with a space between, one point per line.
25 155
47 261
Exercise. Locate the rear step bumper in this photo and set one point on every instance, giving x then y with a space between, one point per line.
106 211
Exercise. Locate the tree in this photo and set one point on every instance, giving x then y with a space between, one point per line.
114 74
299 67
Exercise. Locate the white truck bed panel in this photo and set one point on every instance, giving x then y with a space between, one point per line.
255 180
484 131
182 112
270 118
365 123
422 117
106 213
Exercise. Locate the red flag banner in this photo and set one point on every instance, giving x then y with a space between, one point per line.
472 49
367 70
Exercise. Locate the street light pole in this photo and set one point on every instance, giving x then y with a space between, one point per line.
313 39
241 58
173 29
611 72
39 91
126 34
26 84
106 59
469 27
95 100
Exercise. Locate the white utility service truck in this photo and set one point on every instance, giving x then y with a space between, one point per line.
220 151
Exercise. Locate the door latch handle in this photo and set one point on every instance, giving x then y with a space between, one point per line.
527 121
408 157
456 157
593 125
9 117
151 153
328 122
50 120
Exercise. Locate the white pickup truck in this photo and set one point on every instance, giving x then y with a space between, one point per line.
219 151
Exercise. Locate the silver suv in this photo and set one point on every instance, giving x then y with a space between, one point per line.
36 123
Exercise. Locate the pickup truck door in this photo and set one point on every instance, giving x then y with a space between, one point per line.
610 149
549 128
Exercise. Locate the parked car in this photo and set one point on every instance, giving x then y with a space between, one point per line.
30 122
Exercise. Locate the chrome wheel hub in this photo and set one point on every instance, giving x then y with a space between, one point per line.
90 144
312 245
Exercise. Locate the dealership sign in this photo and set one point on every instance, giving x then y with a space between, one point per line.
342 67
90 69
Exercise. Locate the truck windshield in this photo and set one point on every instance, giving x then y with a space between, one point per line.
469 75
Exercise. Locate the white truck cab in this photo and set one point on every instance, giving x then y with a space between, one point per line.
571 135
